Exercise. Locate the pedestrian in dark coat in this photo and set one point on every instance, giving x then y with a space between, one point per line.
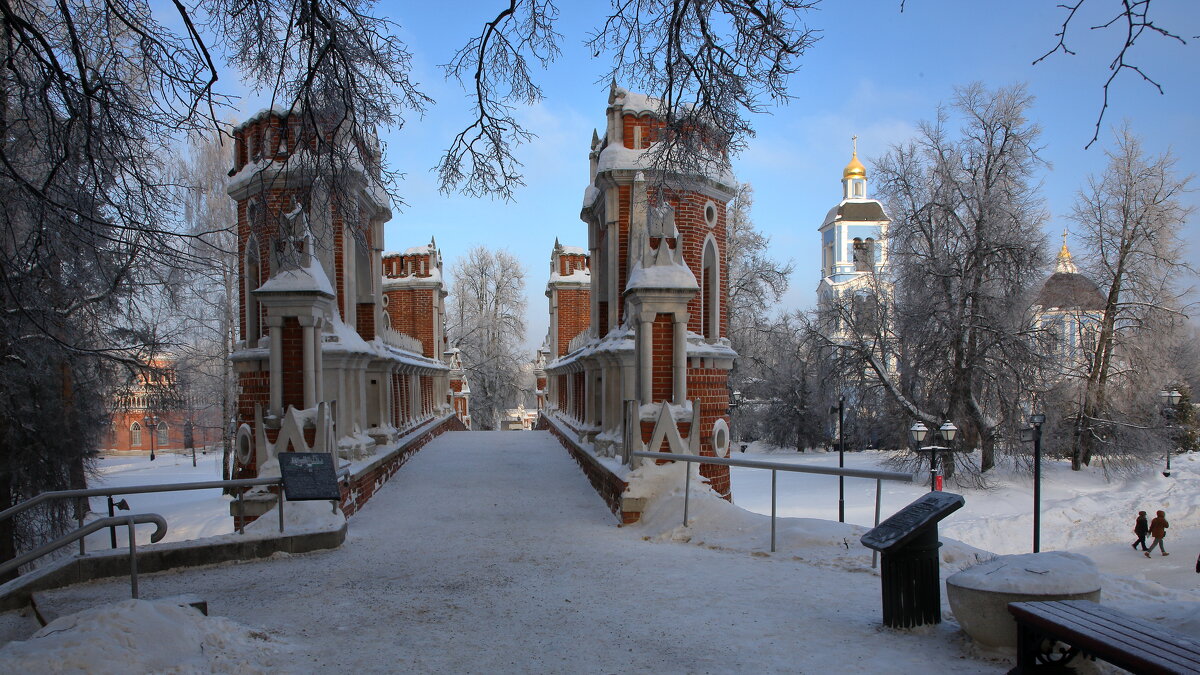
1158 530
1140 528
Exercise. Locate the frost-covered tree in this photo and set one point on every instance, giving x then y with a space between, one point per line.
1130 218
966 241
486 314
208 304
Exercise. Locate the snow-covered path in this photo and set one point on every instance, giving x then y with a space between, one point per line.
489 552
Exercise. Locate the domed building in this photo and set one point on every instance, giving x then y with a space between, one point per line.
854 255
1071 307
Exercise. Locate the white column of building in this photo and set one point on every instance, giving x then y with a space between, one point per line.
275 326
644 360
679 360
414 399
309 368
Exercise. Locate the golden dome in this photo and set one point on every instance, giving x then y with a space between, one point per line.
854 169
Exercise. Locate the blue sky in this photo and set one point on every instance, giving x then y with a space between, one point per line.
875 72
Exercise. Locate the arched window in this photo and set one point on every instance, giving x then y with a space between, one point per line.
252 278
135 435
864 254
164 436
710 292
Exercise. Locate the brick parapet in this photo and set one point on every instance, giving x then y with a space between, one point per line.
363 484
608 485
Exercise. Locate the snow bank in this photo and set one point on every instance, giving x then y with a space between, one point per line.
299 518
141 636
715 523
1052 573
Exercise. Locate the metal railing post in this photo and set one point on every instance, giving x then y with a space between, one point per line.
112 530
281 500
82 548
774 467
241 512
878 493
133 578
773 474
687 484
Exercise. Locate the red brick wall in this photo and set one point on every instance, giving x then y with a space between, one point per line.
623 197
574 314
292 372
662 331
577 402
709 388
411 313
693 232
366 320
646 122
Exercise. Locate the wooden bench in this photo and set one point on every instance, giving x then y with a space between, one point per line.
1098 631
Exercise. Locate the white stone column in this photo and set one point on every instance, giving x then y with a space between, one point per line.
679 360
275 327
645 353
309 367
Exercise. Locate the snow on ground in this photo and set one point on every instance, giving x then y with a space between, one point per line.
492 553
139 636
191 514
1082 511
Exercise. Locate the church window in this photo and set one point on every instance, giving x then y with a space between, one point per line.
135 435
859 189
252 279
710 214
710 279
864 254
164 437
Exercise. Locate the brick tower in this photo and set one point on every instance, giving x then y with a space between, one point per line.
658 321
322 364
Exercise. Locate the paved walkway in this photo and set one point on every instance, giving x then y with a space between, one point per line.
489 552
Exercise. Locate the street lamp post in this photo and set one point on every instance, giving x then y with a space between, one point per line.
1169 399
946 432
1034 433
151 426
841 413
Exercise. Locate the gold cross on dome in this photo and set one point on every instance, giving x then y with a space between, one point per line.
854 139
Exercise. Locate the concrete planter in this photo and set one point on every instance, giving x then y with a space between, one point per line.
979 596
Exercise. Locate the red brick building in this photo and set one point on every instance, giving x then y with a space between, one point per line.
339 340
649 323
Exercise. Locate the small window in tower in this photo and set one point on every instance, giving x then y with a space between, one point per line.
710 214
863 255
859 189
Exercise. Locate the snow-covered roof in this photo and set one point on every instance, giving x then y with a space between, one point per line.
412 280
576 276
636 103
662 276
308 279
589 195
573 250
618 157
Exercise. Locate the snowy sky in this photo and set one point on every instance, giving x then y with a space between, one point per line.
875 72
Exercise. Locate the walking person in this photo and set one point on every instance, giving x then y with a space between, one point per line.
1158 530
1140 528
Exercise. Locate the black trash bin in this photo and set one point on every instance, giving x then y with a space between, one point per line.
908 545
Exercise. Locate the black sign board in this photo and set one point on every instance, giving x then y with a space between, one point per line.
909 521
308 476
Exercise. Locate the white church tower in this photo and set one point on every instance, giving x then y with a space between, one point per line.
853 240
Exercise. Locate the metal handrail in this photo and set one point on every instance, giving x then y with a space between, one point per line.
158 487
160 531
775 467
